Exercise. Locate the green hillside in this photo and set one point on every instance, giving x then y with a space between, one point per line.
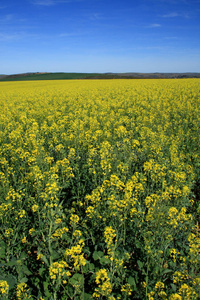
62 76
47 76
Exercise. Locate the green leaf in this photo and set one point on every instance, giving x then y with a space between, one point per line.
41 270
2 249
131 281
23 255
87 296
24 280
140 264
97 255
2 245
46 290
138 244
104 260
44 259
167 271
91 267
55 256
26 271
11 263
173 287
78 278
11 280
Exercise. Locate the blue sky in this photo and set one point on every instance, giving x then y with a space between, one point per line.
99 36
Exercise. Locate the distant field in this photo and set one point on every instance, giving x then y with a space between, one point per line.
100 189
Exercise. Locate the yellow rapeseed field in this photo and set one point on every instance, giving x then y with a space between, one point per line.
100 189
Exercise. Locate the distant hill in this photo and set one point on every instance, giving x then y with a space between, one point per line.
61 76
46 76
2 76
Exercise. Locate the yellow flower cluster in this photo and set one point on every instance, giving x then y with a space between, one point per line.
187 292
35 208
22 292
173 254
176 218
75 254
74 219
31 231
58 270
126 288
194 244
109 234
59 232
180 276
104 285
39 256
24 240
8 232
4 287
22 213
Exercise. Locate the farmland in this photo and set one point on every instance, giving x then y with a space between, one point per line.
100 189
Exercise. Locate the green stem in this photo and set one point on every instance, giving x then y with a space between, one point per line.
124 231
83 282
55 295
49 242
147 279
43 237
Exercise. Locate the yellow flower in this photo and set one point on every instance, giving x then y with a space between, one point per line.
150 296
162 295
24 240
57 270
8 232
187 292
35 208
77 233
159 285
39 256
109 235
22 213
4 287
74 253
101 275
127 289
74 219
58 221
175 297
104 284
173 254
31 231
144 285
21 291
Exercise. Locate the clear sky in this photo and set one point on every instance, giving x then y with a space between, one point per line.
99 36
